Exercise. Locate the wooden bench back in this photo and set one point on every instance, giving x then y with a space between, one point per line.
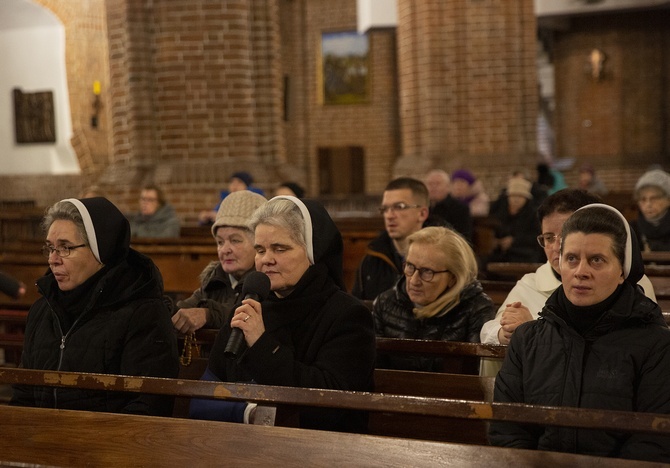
37 436
434 385
621 421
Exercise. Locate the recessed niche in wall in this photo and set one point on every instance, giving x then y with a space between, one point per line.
34 119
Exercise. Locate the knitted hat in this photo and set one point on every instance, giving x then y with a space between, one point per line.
108 231
244 177
655 178
236 209
465 175
518 186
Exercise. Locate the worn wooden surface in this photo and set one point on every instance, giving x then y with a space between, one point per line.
431 384
79 438
623 421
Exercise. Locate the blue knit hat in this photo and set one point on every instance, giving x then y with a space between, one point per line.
244 177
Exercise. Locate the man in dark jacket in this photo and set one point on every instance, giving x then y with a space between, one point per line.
101 311
404 208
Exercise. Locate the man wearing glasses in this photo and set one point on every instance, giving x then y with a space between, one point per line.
404 208
527 297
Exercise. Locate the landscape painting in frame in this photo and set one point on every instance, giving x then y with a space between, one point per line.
344 57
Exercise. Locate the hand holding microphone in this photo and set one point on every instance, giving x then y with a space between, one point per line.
257 287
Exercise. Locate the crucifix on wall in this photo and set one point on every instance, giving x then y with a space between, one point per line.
34 119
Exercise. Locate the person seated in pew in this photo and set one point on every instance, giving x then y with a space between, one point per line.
102 310
527 297
404 208
309 332
599 343
221 282
652 193
292 189
438 298
444 208
516 226
238 181
156 218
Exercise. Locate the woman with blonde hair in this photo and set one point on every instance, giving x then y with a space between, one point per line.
438 298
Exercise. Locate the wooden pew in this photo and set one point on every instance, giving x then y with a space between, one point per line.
661 258
25 268
458 358
497 290
434 385
12 327
180 261
617 421
30 436
397 382
512 270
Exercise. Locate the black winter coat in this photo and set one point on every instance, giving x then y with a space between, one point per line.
394 318
524 228
124 328
379 270
655 237
316 337
622 363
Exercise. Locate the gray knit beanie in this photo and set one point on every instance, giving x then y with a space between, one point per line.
655 178
236 209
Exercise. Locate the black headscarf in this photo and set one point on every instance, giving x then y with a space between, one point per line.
323 239
107 229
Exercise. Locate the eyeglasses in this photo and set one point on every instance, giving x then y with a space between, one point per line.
148 199
426 274
401 206
547 238
61 250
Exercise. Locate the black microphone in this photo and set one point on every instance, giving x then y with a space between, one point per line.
257 287
9 286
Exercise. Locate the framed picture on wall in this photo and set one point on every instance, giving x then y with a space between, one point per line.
344 69
34 120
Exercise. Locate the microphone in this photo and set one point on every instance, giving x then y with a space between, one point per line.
257 287
9 286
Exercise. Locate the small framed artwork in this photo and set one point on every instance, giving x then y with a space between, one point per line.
344 69
34 117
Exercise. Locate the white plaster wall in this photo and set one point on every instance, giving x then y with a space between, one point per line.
376 14
33 59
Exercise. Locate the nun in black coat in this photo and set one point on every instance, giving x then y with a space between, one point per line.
101 311
309 333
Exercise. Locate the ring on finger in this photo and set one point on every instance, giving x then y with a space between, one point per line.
247 318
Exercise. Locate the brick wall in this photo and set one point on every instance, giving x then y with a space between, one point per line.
619 120
194 89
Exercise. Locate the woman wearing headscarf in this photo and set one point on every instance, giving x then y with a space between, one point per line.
652 194
599 343
221 282
101 311
438 298
309 332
